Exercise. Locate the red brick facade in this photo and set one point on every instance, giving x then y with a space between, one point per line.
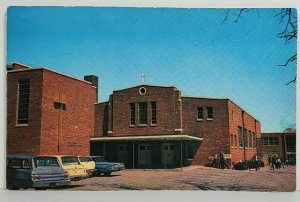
177 114
50 130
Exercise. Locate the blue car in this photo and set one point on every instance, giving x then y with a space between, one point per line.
39 172
102 166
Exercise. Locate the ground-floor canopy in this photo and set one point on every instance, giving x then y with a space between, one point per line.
156 151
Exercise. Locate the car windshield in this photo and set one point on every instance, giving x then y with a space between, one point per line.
98 159
85 159
69 160
45 161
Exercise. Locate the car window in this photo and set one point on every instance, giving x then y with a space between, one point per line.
69 160
18 164
98 159
45 161
85 159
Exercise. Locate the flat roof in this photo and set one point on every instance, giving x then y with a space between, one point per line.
45 68
146 137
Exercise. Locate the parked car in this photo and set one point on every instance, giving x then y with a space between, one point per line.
75 170
39 172
105 167
88 164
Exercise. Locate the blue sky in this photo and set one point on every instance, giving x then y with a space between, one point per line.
188 48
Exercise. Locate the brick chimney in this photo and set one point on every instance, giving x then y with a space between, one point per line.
94 80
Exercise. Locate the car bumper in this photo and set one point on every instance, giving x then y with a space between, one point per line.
90 171
78 177
51 183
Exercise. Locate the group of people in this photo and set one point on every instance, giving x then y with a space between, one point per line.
219 161
277 163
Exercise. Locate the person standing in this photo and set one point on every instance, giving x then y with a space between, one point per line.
256 162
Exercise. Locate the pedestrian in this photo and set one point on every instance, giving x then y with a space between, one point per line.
279 163
222 160
273 162
255 160
214 163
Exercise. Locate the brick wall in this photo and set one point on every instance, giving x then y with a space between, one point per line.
214 132
101 119
71 128
166 99
235 114
24 139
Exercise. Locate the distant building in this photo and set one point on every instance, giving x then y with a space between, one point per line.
48 112
282 145
155 126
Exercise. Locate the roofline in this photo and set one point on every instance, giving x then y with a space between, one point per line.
279 133
225 98
50 70
145 85
147 137
101 102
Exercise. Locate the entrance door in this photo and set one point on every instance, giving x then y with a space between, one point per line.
123 153
145 154
168 153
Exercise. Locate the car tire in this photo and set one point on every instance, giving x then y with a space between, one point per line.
40 188
11 186
107 174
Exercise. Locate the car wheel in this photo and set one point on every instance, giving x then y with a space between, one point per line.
107 174
40 188
11 186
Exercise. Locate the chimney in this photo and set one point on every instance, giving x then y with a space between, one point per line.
94 80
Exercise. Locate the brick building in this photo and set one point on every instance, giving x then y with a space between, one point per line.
155 126
282 145
48 112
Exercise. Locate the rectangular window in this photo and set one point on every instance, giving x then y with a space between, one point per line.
23 101
235 141
143 113
246 137
200 113
59 105
153 113
210 114
241 137
132 114
269 141
232 115
231 138
250 139
254 140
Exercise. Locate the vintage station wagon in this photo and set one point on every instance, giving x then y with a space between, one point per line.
37 172
75 170
88 164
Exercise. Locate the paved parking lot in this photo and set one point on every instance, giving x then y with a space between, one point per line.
192 178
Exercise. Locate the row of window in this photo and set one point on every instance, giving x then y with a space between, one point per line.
142 113
267 141
200 114
23 101
246 136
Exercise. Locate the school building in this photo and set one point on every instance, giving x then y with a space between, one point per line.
144 126
49 112
155 126
282 145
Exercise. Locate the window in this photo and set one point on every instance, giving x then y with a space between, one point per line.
23 101
250 139
143 113
232 115
231 140
254 139
240 137
210 113
269 141
246 137
132 114
153 113
59 105
235 141
200 113
18 164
